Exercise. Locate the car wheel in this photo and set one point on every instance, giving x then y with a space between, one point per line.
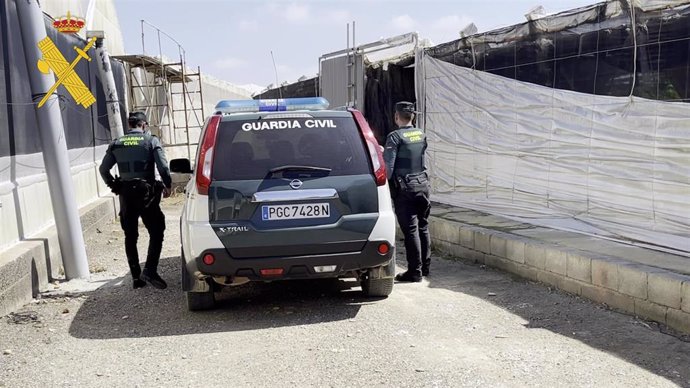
197 301
377 287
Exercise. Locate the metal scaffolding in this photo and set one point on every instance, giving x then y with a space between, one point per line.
171 97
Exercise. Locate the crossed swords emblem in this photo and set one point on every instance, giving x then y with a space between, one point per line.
55 61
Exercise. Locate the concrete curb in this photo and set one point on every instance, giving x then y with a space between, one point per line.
29 266
648 292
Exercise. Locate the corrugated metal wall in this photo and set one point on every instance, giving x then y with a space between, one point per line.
333 81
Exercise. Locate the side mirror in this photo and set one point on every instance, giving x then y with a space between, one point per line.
181 166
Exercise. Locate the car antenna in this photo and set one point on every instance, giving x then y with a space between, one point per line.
275 69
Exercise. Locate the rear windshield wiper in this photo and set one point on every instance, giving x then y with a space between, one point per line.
298 169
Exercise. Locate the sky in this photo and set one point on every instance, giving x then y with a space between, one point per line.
233 40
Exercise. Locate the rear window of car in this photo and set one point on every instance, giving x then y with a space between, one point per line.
248 150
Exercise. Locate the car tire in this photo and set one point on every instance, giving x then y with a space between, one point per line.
377 287
198 301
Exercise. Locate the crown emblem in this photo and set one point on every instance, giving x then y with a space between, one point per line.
69 24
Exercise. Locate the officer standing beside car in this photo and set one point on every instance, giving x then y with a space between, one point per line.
136 153
404 155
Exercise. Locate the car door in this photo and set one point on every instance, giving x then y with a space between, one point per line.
291 185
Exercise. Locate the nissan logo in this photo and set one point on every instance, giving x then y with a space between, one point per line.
296 184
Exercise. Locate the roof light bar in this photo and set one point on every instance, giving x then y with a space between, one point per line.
272 105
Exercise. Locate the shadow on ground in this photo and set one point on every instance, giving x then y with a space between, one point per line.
117 311
638 342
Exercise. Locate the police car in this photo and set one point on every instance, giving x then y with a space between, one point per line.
285 189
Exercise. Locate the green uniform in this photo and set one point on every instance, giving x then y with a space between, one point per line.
137 154
406 169
404 152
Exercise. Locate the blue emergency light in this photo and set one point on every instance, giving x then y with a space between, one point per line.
272 105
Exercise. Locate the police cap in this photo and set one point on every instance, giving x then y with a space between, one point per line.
135 117
404 107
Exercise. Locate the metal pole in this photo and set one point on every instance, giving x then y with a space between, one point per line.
349 69
319 86
143 48
184 103
170 112
201 101
354 67
164 111
126 97
132 97
201 96
112 101
54 146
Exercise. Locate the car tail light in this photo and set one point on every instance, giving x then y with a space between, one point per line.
204 163
383 249
271 271
209 259
378 165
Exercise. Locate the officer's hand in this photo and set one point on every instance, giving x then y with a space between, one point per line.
116 186
166 192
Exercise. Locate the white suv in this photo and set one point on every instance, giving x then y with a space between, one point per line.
285 189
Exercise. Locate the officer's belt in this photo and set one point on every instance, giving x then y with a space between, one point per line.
414 182
148 190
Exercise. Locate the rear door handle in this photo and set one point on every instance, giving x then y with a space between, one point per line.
294 195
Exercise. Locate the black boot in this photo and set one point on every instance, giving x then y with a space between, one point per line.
153 278
138 283
408 277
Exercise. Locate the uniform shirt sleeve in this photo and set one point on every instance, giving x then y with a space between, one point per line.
390 152
107 163
161 162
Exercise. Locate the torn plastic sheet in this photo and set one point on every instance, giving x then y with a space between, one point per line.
615 167
601 16
652 5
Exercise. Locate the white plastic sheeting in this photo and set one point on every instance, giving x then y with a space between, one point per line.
616 167
98 14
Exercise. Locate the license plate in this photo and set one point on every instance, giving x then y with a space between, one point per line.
295 212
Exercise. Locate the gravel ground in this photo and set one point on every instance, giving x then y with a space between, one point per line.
464 326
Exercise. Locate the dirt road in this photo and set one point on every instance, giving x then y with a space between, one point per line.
466 326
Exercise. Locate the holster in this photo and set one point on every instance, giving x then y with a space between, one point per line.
413 183
116 186
142 190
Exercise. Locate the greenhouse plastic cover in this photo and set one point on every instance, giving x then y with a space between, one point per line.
615 167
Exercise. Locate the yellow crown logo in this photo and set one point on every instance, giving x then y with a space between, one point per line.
69 24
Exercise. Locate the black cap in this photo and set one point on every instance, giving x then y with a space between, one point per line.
404 107
135 117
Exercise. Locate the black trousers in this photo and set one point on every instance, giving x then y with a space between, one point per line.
139 199
412 210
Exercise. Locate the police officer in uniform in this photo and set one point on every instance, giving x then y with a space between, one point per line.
136 153
409 182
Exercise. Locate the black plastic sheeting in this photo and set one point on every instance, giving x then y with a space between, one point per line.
18 126
382 90
306 88
596 56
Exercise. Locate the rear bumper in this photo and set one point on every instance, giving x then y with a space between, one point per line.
294 267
